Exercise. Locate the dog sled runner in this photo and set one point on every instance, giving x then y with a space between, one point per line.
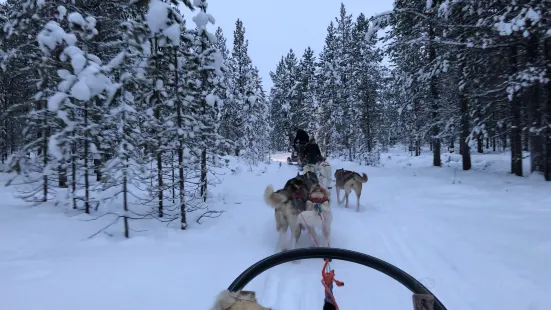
423 299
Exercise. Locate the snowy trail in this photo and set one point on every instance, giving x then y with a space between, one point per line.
481 243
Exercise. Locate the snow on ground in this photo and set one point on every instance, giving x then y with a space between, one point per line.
479 240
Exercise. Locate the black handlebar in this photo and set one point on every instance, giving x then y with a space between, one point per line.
351 256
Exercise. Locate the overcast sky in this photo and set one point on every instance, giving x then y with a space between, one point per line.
275 26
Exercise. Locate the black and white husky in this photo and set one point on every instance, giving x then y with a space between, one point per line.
314 213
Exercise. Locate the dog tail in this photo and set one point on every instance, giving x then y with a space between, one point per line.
362 178
271 198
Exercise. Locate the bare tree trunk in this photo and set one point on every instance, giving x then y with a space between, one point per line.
74 172
125 200
504 137
182 202
436 161
204 174
173 177
97 168
62 175
86 172
45 159
479 143
465 124
534 99
179 121
368 127
160 183
546 162
125 181
516 130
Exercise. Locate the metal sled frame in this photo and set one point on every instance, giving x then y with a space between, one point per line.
423 299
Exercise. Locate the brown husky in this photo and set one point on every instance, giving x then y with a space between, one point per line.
349 180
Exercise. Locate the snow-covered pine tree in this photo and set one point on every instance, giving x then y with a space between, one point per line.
224 91
297 115
390 129
6 126
328 80
242 88
281 135
366 79
259 129
124 171
32 160
345 114
232 117
407 26
305 90
82 84
211 78
58 40
164 23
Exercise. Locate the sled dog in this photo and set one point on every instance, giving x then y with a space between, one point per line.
325 174
242 300
348 181
310 168
318 214
288 203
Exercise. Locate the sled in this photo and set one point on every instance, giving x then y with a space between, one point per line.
423 299
294 160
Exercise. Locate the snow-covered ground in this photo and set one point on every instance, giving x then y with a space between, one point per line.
479 240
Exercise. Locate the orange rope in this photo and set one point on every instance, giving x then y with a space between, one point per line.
328 279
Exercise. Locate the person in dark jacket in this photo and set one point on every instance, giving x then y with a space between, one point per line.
313 153
301 139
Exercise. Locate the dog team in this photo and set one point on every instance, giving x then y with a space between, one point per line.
304 203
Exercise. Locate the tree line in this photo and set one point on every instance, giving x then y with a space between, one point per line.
103 100
464 76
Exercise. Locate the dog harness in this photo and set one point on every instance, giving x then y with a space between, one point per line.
318 200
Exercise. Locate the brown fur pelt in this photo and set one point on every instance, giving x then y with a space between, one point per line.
242 300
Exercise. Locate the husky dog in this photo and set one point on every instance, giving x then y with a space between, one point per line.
349 180
318 213
310 168
242 300
325 174
288 203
